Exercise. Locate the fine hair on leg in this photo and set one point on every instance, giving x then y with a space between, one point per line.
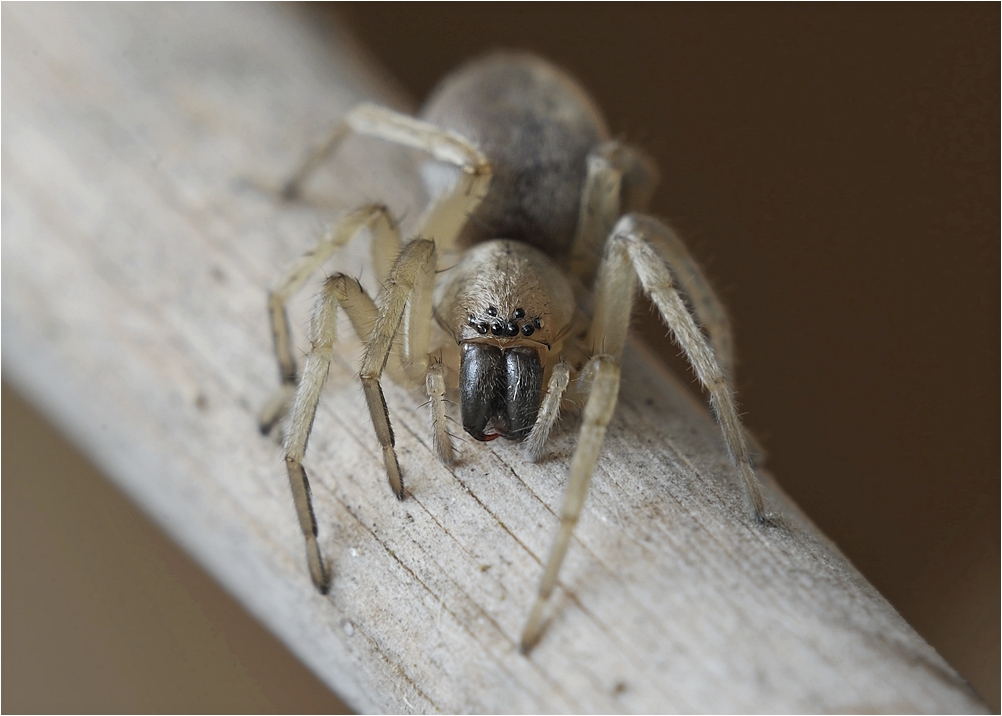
549 411
600 377
707 307
631 254
435 387
413 273
337 290
374 218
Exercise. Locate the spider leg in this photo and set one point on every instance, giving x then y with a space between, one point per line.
435 387
406 304
710 312
442 222
385 241
346 292
601 375
446 216
549 411
619 178
410 282
636 251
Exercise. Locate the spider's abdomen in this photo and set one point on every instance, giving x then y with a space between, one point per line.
536 126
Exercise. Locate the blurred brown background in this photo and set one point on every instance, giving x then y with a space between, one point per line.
835 168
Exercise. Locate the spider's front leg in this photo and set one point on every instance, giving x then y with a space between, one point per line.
409 285
636 250
600 380
411 282
338 290
385 241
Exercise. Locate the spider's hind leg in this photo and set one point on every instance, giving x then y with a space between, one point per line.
621 179
443 220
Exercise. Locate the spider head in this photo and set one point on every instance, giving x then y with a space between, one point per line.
500 389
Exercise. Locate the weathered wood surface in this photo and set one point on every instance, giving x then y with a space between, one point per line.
137 247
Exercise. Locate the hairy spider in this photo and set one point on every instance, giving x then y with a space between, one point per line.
535 206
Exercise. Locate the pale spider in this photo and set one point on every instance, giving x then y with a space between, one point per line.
531 229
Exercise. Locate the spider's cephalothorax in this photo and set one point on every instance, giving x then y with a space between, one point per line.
508 305
535 209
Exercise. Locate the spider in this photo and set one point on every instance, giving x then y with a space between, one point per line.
534 224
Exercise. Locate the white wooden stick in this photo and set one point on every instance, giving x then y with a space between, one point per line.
138 245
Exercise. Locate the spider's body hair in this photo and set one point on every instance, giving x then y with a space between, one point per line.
495 279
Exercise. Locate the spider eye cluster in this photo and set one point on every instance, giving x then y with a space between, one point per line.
507 328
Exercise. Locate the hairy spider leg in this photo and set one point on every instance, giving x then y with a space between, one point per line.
445 218
709 311
636 250
441 439
405 304
385 241
600 380
412 276
338 290
620 180
549 411
618 176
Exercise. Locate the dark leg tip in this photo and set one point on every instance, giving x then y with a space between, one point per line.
768 519
323 581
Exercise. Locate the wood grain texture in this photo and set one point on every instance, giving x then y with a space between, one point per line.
138 242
